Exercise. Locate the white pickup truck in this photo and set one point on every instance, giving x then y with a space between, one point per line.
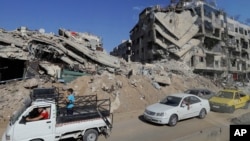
91 118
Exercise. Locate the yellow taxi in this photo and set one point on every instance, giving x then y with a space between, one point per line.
228 100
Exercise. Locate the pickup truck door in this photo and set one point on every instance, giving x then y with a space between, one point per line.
40 129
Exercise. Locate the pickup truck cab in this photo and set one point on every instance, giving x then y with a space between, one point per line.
228 100
91 117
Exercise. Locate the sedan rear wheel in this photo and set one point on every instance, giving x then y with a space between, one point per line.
202 113
173 120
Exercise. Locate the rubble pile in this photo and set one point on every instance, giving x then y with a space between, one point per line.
38 53
145 85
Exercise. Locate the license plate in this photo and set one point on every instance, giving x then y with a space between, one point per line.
215 106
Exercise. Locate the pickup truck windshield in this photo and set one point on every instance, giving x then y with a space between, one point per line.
19 112
171 101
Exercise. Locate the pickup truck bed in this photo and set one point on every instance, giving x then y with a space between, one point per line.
85 107
81 113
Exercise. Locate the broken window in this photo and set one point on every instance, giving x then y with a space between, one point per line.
244 66
241 30
210 60
201 59
198 11
216 63
208 11
217 32
237 42
236 29
223 62
192 61
245 55
208 27
233 63
244 44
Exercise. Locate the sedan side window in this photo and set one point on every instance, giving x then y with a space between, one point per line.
194 100
242 94
207 92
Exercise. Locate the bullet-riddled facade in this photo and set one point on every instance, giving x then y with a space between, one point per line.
195 32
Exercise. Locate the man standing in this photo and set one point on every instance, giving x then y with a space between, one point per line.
70 101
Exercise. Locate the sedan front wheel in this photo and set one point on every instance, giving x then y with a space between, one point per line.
173 120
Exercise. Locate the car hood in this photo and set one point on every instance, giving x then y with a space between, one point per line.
158 107
220 100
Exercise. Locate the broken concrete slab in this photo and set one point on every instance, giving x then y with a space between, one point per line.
165 80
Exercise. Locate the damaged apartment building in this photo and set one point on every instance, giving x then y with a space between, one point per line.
196 32
123 50
28 53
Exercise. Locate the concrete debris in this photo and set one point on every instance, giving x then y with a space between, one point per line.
116 103
156 85
119 84
165 80
31 83
69 50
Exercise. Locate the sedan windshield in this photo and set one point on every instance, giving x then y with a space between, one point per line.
171 101
224 94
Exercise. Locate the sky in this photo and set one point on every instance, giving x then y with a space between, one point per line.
109 19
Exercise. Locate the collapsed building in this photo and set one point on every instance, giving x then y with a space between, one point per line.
123 50
28 53
195 32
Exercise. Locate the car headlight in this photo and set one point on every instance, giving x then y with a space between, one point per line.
160 114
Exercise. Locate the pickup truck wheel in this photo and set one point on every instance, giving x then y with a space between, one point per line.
202 113
173 120
90 135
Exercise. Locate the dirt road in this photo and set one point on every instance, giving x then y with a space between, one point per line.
215 127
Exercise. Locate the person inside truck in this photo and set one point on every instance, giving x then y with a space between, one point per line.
42 114
70 101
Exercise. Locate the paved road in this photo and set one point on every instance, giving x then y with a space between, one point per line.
215 127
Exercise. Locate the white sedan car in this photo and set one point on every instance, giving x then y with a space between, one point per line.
177 107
